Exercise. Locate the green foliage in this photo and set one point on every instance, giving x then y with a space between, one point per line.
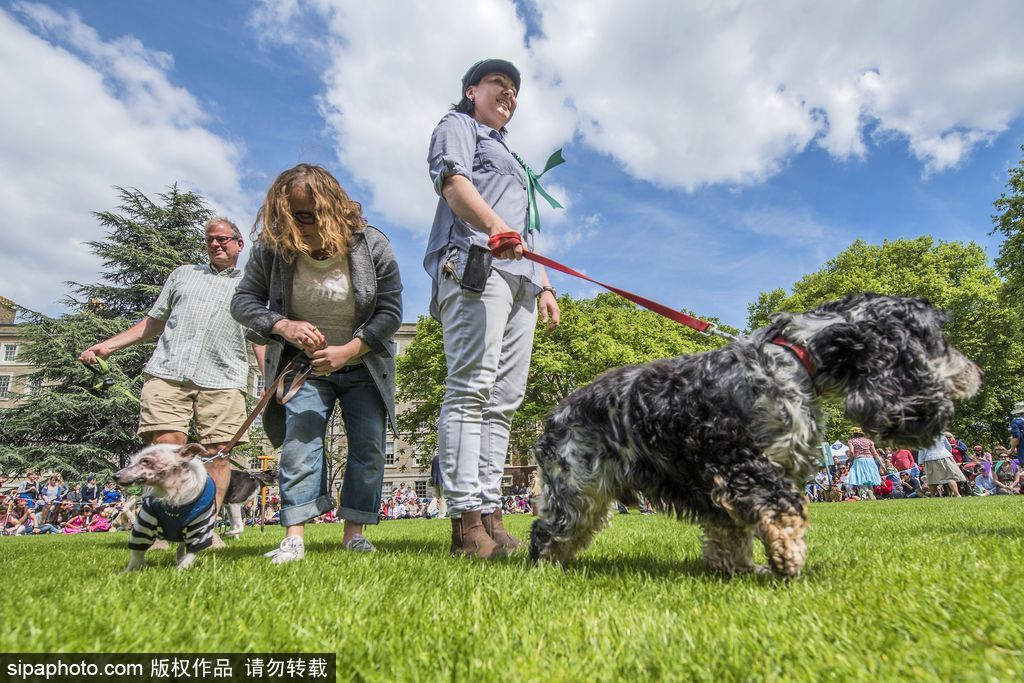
953 276
65 427
595 335
1010 222
901 590
145 242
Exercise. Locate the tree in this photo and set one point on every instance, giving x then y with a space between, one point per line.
595 335
1010 222
954 276
65 426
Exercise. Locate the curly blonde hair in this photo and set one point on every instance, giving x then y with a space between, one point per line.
338 216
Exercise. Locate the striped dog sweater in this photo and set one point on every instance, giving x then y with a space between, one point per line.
192 523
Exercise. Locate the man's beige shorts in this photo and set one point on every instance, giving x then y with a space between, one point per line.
170 406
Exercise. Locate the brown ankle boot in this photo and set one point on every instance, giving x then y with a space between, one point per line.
470 539
496 530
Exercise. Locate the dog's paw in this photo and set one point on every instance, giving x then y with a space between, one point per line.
186 561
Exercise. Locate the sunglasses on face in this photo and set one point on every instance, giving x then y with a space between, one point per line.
304 217
220 239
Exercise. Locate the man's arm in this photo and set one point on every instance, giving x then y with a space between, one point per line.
260 351
144 330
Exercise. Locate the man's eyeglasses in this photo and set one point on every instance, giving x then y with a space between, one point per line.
304 217
220 239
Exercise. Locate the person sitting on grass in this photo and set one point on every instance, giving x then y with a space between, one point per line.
885 489
907 486
1008 478
111 494
984 482
57 518
20 519
79 523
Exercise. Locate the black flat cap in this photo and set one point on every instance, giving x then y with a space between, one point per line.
490 66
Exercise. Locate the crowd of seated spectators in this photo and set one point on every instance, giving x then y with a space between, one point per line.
986 473
49 506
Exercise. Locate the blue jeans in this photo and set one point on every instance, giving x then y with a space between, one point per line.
304 493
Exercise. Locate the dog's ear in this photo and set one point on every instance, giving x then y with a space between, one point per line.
838 350
266 478
189 451
893 394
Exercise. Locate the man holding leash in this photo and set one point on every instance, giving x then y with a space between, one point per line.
200 366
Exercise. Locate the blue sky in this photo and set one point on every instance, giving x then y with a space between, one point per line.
715 150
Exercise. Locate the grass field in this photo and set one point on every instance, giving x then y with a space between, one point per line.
919 589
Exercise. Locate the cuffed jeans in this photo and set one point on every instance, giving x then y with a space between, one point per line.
488 339
304 493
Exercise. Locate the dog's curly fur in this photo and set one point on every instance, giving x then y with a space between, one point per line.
728 437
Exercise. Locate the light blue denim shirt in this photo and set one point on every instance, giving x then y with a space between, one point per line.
462 146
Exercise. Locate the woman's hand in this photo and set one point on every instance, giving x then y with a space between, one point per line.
549 311
329 359
300 333
333 358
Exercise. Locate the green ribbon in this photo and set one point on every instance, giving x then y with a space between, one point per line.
533 186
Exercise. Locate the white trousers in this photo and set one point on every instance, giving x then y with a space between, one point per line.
488 339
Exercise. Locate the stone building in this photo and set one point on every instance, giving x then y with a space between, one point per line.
14 373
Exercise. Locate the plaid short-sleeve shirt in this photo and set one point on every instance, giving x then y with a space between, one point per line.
201 342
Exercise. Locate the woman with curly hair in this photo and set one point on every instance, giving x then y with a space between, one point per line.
322 283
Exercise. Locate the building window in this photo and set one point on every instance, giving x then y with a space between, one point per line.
10 352
421 489
33 385
5 385
389 453
257 385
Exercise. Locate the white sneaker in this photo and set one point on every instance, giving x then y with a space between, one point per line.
359 544
290 550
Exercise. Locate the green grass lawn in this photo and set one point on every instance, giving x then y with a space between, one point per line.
919 589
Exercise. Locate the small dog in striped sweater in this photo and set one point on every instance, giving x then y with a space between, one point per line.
179 503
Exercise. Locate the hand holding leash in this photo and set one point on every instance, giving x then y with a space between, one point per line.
302 334
506 245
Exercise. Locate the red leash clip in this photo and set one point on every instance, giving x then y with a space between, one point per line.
502 241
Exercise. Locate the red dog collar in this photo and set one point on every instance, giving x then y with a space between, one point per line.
801 352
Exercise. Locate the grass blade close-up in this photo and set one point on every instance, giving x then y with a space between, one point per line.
915 589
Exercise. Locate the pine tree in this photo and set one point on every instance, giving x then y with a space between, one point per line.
66 426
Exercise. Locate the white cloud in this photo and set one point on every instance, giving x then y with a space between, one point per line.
392 75
89 114
683 95
688 94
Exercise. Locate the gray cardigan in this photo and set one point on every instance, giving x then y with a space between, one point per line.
263 298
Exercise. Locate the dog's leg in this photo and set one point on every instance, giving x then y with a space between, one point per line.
186 560
782 533
776 513
235 515
136 561
729 548
184 557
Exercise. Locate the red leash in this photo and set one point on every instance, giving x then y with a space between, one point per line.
500 242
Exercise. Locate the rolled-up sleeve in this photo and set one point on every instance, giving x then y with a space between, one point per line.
452 148
387 313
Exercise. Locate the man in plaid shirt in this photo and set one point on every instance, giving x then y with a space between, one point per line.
200 366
